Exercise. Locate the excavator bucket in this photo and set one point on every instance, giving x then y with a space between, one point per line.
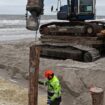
32 23
35 7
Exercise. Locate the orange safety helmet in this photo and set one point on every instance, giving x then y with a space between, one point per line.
48 73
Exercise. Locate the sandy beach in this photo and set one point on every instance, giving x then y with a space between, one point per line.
76 77
14 63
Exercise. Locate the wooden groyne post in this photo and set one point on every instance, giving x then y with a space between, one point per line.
34 60
97 95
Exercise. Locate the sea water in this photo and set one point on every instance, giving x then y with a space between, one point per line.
13 27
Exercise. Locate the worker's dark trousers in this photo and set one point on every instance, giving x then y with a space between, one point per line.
57 101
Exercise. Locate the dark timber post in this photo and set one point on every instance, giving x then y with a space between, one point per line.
97 95
34 60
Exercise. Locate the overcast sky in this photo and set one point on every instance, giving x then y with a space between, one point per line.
18 6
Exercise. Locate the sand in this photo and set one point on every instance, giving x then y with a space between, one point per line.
76 77
14 57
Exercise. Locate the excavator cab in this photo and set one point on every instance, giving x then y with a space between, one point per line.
78 10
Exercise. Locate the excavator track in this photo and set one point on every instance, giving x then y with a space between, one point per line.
71 28
68 51
99 23
89 53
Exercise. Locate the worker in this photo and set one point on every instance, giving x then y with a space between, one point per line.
54 88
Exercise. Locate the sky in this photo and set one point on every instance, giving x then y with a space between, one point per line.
19 6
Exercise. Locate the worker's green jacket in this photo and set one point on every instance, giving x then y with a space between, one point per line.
54 88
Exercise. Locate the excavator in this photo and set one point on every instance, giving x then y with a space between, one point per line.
78 36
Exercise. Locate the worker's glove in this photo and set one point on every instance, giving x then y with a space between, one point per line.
40 82
48 101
